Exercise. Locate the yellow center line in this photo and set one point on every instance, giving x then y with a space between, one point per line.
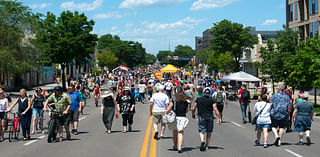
144 149
153 146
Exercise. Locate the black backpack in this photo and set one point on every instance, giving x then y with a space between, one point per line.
245 95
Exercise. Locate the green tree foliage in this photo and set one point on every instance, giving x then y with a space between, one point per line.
305 65
203 55
233 38
107 58
66 38
222 62
129 53
162 57
183 51
150 59
17 26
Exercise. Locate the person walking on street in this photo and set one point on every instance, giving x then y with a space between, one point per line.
75 109
262 108
4 104
180 106
159 103
302 118
142 89
108 108
205 106
244 96
24 112
220 98
281 108
97 93
82 93
37 111
168 87
62 103
126 106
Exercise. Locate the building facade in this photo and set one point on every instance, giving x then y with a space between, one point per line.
203 42
303 16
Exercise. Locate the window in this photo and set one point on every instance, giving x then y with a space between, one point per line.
295 10
313 7
313 29
290 12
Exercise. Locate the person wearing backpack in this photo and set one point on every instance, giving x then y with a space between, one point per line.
281 108
221 99
244 96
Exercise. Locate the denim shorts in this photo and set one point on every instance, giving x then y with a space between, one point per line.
36 112
261 126
205 124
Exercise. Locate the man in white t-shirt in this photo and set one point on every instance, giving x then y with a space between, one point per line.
142 89
158 107
168 87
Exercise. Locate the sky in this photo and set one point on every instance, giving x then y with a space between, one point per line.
164 24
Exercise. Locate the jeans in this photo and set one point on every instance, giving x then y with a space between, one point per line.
244 106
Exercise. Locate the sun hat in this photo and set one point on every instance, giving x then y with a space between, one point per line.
107 94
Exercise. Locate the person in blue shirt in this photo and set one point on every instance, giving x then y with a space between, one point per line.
75 109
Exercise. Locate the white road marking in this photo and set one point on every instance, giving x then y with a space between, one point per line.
237 124
293 153
30 142
82 118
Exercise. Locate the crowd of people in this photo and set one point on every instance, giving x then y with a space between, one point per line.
177 93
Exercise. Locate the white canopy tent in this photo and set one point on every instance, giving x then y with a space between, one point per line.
241 76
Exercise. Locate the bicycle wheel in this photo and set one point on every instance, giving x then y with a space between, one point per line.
51 130
16 134
11 131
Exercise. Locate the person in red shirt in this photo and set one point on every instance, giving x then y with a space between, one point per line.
244 96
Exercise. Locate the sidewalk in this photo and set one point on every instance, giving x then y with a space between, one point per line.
31 91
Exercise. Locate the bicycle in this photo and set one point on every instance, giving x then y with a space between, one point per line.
14 127
52 124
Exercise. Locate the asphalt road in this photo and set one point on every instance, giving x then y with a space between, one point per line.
231 139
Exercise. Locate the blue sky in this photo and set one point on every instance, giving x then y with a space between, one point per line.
156 23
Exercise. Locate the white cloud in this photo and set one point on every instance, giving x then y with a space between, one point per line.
138 4
269 22
81 6
108 15
40 6
209 4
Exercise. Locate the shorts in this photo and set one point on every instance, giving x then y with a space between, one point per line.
74 115
302 123
282 123
63 120
157 117
261 126
181 123
3 115
37 112
220 108
205 124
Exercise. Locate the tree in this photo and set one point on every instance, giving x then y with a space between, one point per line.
305 65
222 62
233 38
66 38
107 59
150 59
203 55
183 51
17 26
162 56
128 52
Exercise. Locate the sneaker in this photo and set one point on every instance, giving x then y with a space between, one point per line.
202 146
76 132
265 146
72 131
276 142
279 143
300 143
130 128
244 121
155 136
308 141
179 151
257 142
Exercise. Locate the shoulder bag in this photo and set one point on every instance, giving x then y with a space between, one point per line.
170 117
254 121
